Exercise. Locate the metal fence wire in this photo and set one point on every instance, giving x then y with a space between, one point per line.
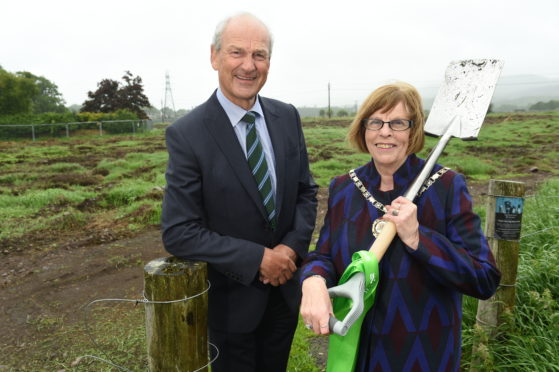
35 131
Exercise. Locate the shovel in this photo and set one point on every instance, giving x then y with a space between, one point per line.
458 111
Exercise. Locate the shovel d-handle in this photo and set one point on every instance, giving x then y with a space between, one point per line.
354 289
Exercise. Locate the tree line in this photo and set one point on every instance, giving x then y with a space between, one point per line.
545 106
23 93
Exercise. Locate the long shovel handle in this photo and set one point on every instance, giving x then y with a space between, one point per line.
384 239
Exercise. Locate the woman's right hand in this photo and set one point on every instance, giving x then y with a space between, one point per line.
316 306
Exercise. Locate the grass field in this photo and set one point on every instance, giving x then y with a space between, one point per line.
67 193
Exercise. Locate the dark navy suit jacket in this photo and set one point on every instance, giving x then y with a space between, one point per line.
212 210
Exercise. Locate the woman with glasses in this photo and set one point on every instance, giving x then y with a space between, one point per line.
438 255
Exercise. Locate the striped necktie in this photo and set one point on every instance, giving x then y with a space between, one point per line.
259 166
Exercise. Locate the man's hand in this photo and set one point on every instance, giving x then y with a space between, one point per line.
278 265
282 248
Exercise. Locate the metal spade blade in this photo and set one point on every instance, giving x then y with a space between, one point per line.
466 94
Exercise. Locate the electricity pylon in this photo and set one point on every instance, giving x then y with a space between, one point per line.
168 109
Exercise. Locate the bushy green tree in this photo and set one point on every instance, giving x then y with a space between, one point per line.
111 96
26 93
16 93
48 98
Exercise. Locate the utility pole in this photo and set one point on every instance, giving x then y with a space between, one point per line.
169 103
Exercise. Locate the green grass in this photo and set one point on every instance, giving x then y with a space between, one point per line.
21 214
329 153
117 329
119 171
300 359
45 183
113 181
66 167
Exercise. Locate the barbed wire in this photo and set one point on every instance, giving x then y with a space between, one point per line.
143 300
128 370
540 231
536 196
540 197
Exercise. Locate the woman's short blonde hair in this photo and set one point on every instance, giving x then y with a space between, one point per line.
386 98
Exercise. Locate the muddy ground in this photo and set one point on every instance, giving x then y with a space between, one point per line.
54 283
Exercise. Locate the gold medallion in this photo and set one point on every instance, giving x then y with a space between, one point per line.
378 224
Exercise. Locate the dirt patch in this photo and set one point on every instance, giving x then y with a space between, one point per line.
34 284
319 350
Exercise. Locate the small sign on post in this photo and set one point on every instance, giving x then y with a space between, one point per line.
508 217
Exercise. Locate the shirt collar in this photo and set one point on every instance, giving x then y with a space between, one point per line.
234 112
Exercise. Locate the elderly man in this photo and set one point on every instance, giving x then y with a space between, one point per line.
240 197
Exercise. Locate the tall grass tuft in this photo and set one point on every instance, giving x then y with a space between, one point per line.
126 193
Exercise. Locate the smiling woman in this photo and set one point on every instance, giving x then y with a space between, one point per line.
387 146
439 254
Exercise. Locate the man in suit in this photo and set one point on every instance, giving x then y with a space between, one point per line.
215 208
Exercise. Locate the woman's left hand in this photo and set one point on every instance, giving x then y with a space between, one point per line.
403 213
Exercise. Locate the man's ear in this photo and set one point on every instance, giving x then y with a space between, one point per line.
213 57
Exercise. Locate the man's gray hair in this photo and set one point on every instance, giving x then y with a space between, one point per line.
216 43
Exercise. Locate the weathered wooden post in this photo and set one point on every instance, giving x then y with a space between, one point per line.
176 315
502 229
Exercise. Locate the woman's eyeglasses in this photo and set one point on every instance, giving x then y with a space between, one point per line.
396 124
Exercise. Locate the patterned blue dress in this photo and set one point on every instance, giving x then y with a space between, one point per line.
415 324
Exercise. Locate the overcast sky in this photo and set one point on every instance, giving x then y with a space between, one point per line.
354 45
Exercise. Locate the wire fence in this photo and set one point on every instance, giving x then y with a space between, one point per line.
37 131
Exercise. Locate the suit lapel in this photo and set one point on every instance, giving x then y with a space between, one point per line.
219 126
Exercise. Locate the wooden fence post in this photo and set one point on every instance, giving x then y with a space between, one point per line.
502 229
177 332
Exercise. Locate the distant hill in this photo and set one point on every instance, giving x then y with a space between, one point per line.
514 92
